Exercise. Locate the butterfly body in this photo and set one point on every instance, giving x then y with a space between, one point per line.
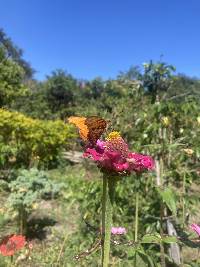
90 128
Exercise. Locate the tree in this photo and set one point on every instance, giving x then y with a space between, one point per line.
61 90
14 53
11 76
184 86
157 78
133 73
97 87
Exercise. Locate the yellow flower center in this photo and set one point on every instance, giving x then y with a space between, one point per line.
113 135
114 142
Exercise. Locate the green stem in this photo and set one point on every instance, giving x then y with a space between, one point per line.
107 212
183 200
137 186
136 215
21 227
11 261
135 259
162 249
61 250
23 220
183 209
162 256
104 197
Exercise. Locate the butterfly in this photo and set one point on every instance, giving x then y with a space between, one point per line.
90 128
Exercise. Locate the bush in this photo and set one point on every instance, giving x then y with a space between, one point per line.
24 140
29 187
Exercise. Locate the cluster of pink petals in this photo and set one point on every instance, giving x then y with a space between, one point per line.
195 228
118 230
114 160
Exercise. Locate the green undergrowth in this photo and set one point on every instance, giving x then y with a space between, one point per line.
62 227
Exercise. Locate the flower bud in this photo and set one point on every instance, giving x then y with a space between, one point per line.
188 151
165 121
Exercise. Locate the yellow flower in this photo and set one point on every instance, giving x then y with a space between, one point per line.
35 206
198 120
165 121
188 151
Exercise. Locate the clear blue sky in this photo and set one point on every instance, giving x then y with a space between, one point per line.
90 38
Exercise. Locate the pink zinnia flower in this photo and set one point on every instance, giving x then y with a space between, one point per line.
118 230
11 243
139 162
114 155
196 228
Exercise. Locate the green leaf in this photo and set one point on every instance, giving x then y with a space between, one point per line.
151 238
169 239
169 198
145 258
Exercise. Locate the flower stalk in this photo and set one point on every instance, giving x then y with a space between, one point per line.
113 157
136 224
136 216
137 185
183 200
107 213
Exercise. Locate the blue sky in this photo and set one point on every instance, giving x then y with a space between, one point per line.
90 38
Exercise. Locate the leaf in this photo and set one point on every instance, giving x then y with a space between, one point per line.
169 239
169 198
145 258
151 238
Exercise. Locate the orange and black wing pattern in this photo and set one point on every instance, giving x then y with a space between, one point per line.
90 128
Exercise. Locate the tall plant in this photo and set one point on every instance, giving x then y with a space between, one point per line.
115 160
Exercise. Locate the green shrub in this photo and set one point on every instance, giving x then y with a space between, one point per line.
24 141
29 187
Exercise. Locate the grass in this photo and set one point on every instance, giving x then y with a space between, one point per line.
49 223
57 229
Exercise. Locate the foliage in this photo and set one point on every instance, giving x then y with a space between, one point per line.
14 53
157 78
158 114
60 90
24 141
11 75
26 191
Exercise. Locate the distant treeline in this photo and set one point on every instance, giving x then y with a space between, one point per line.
61 94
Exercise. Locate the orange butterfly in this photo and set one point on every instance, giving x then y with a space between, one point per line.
90 128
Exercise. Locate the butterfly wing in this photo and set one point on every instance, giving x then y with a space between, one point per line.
79 122
96 126
90 128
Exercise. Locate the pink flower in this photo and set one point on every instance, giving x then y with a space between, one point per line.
140 162
195 228
118 230
113 155
30 245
